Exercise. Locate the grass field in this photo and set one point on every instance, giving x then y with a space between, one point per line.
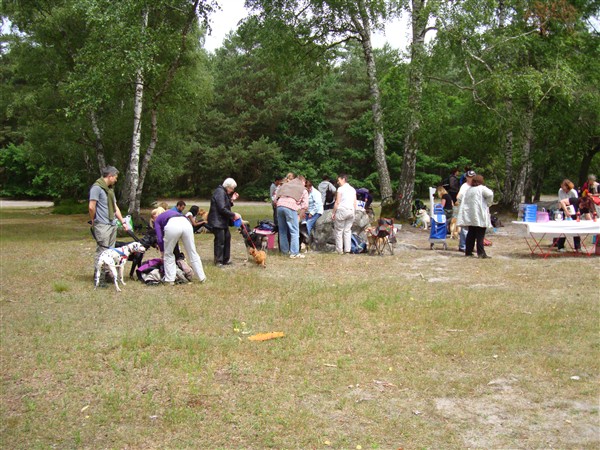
423 349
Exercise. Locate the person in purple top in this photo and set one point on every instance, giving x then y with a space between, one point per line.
170 226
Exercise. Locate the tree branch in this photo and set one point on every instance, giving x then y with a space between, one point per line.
453 83
477 58
476 96
511 38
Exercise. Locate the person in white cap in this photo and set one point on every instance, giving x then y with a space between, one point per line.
462 237
474 212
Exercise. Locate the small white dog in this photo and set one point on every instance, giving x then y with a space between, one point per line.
115 259
423 219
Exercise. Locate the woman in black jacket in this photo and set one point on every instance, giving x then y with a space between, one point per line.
220 217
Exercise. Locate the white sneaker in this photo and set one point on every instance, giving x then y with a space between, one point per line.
299 255
562 250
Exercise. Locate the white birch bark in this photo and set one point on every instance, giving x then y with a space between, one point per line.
134 156
419 18
99 146
526 164
146 162
363 26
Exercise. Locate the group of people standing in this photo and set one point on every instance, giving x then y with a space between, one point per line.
295 200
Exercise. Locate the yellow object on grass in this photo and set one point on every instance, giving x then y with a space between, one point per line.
266 336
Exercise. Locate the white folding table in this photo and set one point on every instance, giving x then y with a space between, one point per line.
537 231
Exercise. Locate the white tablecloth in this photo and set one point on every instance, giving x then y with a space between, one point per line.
562 227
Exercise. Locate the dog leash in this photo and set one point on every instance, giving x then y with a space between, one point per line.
248 235
129 232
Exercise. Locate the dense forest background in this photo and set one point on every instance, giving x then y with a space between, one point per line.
509 87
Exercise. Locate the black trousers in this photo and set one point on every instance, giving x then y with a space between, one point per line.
475 234
560 242
222 245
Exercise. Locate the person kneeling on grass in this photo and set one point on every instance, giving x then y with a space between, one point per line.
191 216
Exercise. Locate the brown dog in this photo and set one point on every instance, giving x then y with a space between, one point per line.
454 229
203 214
260 257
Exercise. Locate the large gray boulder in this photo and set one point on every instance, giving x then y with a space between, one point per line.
323 238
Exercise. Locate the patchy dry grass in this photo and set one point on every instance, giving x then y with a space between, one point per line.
424 349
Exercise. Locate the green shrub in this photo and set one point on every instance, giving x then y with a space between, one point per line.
70 206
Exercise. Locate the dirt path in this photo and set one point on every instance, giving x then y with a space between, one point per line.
25 203
4 203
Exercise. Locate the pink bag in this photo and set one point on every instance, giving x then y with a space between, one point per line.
543 216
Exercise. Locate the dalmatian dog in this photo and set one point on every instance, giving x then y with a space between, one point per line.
115 259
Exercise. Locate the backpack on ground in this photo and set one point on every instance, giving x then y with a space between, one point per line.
266 225
152 278
151 271
357 244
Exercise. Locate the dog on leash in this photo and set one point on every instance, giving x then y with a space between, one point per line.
148 240
453 228
422 219
260 257
253 239
115 259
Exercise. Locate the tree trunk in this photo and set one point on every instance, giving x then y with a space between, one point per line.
586 161
136 175
98 142
508 168
146 162
539 184
419 18
525 172
132 179
364 27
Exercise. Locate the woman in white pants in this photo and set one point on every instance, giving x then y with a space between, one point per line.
343 214
170 226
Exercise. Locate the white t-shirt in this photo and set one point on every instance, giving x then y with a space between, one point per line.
347 197
563 195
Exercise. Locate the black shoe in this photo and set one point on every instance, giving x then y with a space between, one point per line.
469 254
228 263
484 256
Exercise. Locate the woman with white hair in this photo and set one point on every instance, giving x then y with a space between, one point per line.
219 218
